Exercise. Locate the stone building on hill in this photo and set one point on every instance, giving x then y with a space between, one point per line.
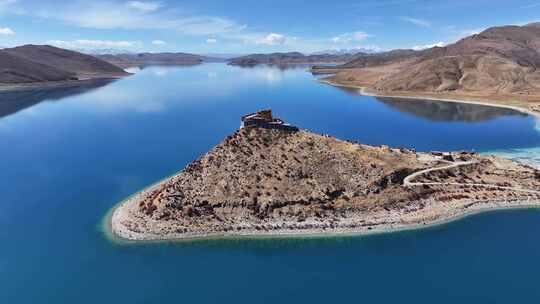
264 119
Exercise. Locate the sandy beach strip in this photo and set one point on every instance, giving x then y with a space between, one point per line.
365 225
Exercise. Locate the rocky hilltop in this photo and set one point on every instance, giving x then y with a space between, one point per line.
500 63
268 179
42 63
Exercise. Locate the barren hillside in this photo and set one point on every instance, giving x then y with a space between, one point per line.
499 63
260 180
128 60
41 63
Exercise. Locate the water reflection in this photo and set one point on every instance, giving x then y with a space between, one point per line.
349 91
12 102
281 67
142 66
448 111
69 162
440 110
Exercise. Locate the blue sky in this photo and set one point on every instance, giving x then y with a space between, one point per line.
242 26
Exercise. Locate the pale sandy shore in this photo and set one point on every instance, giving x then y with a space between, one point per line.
117 222
364 91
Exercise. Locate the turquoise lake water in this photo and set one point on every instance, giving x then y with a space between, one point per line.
69 155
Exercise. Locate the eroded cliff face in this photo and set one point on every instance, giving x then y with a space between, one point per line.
266 180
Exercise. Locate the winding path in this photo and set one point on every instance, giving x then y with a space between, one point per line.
408 181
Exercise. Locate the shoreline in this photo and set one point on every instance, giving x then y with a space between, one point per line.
117 233
364 91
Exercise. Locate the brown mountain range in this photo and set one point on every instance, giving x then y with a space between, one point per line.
42 63
147 59
500 63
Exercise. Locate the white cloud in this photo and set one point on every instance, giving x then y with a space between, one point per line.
60 43
144 6
6 31
107 43
272 39
428 46
472 31
122 15
115 14
86 43
370 48
159 42
351 37
104 14
455 34
522 23
416 21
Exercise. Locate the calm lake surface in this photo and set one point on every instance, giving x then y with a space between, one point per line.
69 155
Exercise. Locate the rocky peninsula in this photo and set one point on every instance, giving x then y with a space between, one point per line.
272 178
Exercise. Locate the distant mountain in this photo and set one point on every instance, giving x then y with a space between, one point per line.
354 51
500 61
141 59
290 58
215 57
382 58
127 60
42 63
369 60
103 51
222 56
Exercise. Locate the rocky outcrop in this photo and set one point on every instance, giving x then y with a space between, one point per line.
267 180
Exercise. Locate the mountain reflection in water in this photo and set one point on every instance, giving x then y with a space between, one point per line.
436 110
447 111
14 101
